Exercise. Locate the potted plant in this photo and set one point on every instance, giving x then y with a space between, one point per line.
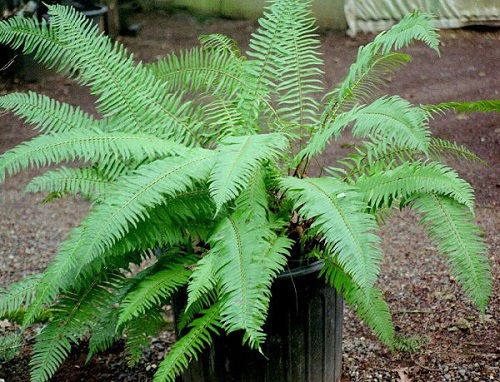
199 165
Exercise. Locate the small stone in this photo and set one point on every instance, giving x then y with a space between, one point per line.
482 74
447 377
464 324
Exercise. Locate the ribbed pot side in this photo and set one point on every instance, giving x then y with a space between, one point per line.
304 337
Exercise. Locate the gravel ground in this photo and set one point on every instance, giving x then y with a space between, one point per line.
457 344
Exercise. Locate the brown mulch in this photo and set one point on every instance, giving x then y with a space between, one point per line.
458 344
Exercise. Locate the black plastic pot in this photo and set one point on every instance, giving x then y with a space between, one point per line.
25 66
304 342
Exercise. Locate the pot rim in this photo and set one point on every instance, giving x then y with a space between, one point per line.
301 271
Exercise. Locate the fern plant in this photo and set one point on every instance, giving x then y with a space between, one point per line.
199 163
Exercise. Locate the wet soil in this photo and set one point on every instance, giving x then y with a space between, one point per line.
457 343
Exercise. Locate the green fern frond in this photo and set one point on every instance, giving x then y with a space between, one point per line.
338 212
106 330
189 345
85 181
484 106
261 70
376 156
300 65
126 205
368 73
155 289
223 118
394 120
254 198
74 313
138 333
369 305
376 61
452 228
18 295
384 187
413 26
126 91
10 346
35 36
165 226
441 149
92 145
218 41
321 137
200 70
202 280
128 200
238 245
237 159
47 114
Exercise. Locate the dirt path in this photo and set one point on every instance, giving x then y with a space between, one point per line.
425 300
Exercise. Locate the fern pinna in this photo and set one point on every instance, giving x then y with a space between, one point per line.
213 190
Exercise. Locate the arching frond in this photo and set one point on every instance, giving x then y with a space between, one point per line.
299 67
262 69
10 346
18 295
47 114
85 181
35 36
254 198
127 91
237 158
484 106
380 156
85 145
395 120
413 26
338 212
164 227
384 187
367 74
218 41
130 197
376 61
452 228
202 281
189 345
321 137
442 149
369 305
76 312
155 289
244 276
200 70
138 332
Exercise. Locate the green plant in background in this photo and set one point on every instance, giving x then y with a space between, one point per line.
199 165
